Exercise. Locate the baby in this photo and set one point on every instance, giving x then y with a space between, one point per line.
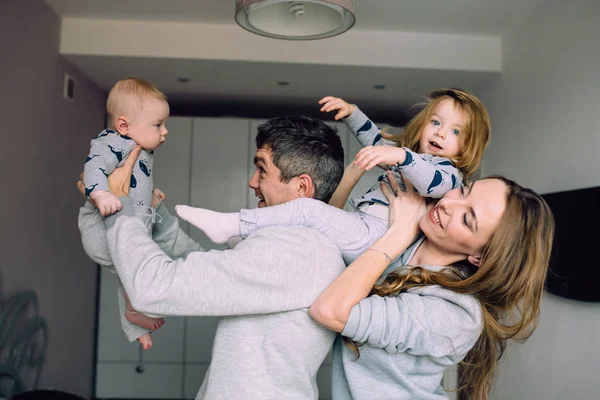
138 112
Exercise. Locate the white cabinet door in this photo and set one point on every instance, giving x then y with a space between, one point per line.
219 168
172 164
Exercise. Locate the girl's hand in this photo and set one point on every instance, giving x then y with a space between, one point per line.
120 179
331 103
406 208
370 156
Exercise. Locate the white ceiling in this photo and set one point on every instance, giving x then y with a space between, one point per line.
479 17
224 75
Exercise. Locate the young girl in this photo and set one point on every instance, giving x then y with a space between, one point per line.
440 148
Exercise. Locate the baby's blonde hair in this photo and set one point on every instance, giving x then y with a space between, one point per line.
477 131
127 98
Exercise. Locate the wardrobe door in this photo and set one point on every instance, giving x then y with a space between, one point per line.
219 168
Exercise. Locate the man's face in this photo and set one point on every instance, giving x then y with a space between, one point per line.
266 183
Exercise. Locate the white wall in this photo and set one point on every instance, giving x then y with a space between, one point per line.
45 139
545 111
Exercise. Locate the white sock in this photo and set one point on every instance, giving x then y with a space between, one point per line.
219 227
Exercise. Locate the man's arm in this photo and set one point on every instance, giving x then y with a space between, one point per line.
276 269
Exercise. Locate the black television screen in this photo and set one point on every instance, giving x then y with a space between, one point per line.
574 264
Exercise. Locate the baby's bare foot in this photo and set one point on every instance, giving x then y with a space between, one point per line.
140 319
146 341
143 320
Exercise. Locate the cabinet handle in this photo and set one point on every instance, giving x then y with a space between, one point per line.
139 369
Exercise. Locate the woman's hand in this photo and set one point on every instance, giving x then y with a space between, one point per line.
120 179
370 156
331 103
406 208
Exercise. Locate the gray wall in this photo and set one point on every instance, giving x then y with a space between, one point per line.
44 142
546 135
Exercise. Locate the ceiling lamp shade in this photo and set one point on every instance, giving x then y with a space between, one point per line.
295 20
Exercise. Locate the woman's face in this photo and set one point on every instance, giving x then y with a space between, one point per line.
464 219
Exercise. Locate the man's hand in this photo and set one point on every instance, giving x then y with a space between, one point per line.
120 179
106 202
330 103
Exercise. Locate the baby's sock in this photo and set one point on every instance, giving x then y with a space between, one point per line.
219 227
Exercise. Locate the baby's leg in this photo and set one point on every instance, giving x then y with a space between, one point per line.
219 227
140 319
349 231
93 234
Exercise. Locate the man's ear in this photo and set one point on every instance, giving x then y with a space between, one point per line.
122 125
475 259
305 186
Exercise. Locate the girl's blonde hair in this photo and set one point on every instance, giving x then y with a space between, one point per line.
127 97
476 135
508 284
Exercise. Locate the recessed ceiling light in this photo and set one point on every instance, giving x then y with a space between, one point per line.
283 83
183 80
379 86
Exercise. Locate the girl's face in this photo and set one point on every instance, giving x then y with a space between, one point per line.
443 135
464 220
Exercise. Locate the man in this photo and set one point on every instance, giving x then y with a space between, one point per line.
267 346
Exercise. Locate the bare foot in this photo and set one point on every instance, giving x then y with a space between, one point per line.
143 320
146 341
140 319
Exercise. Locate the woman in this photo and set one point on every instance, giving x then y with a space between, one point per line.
458 293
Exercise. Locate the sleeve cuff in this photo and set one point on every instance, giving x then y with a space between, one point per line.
351 327
126 209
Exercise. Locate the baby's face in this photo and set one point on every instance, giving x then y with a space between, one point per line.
148 127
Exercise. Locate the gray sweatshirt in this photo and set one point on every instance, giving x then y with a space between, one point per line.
267 346
408 342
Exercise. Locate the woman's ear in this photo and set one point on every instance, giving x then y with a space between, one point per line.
305 186
475 259
122 125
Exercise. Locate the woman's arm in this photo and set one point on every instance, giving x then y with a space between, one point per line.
332 307
352 175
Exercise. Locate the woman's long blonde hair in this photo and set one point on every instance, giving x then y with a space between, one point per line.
508 284
477 131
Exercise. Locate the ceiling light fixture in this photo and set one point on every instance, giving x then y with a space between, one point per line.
295 20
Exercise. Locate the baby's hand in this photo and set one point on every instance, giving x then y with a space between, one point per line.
371 156
106 202
157 196
331 103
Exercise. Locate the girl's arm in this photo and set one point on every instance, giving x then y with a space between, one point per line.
352 175
432 176
367 133
332 307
